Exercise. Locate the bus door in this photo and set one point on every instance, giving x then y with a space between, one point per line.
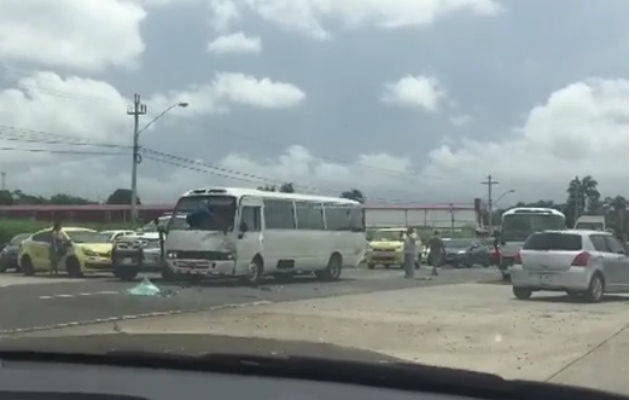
249 234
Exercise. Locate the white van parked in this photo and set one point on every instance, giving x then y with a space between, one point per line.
249 233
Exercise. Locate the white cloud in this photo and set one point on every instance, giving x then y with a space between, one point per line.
235 43
415 92
78 34
308 16
72 106
461 119
582 129
228 89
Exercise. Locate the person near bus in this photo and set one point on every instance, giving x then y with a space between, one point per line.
410 253
436 252
56 249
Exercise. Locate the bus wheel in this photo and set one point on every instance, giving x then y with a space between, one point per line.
333 269
254 272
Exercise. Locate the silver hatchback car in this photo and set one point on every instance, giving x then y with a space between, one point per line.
583 263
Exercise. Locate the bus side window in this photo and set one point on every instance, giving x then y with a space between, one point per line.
279 214
337 218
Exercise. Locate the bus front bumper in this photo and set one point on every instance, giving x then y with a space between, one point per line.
203 267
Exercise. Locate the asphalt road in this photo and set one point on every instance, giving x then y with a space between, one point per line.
40 303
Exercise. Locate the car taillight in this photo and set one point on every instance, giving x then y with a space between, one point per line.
581 260
518 259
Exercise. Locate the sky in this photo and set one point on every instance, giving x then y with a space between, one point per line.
406 100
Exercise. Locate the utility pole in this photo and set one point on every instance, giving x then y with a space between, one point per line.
136 110
3 184
490 182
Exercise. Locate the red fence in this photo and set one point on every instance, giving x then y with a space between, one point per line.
83 213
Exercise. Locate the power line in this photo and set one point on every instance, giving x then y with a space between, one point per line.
99 153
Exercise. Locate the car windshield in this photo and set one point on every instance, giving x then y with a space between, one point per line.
18 239
387 236
458 243
87 237
267 158
518 227
210 213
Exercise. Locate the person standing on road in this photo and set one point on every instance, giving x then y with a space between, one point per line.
436 251
410 252
56 248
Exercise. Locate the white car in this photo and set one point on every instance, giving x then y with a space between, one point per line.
579 262
115 234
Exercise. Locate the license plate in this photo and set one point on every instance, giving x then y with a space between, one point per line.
545 278
193 265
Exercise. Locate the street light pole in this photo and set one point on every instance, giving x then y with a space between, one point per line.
137 110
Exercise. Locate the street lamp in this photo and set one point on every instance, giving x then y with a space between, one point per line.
504 194
137 110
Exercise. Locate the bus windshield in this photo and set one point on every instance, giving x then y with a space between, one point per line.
518 227
208 213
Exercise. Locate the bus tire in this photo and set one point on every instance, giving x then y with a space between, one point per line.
333 269
254 272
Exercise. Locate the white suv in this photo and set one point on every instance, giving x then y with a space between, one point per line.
582 263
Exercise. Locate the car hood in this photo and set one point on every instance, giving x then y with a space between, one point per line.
101 248
385 245
187 345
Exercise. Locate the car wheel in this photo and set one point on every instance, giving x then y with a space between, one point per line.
370 266
27 266
73 267
126 274
333 269
595 290
506 276
521 293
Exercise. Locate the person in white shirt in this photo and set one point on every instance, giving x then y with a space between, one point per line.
410 252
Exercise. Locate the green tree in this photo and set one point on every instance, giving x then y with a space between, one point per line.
287 188
6 199
65 199
20 197
583 197
353 194
121 196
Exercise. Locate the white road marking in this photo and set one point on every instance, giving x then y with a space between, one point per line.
14 331
69 296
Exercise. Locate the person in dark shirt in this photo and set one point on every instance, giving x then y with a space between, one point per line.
436 251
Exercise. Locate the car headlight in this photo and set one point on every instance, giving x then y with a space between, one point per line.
171 254
89 253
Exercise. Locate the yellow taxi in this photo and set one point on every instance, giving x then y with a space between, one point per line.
385 246
87 250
